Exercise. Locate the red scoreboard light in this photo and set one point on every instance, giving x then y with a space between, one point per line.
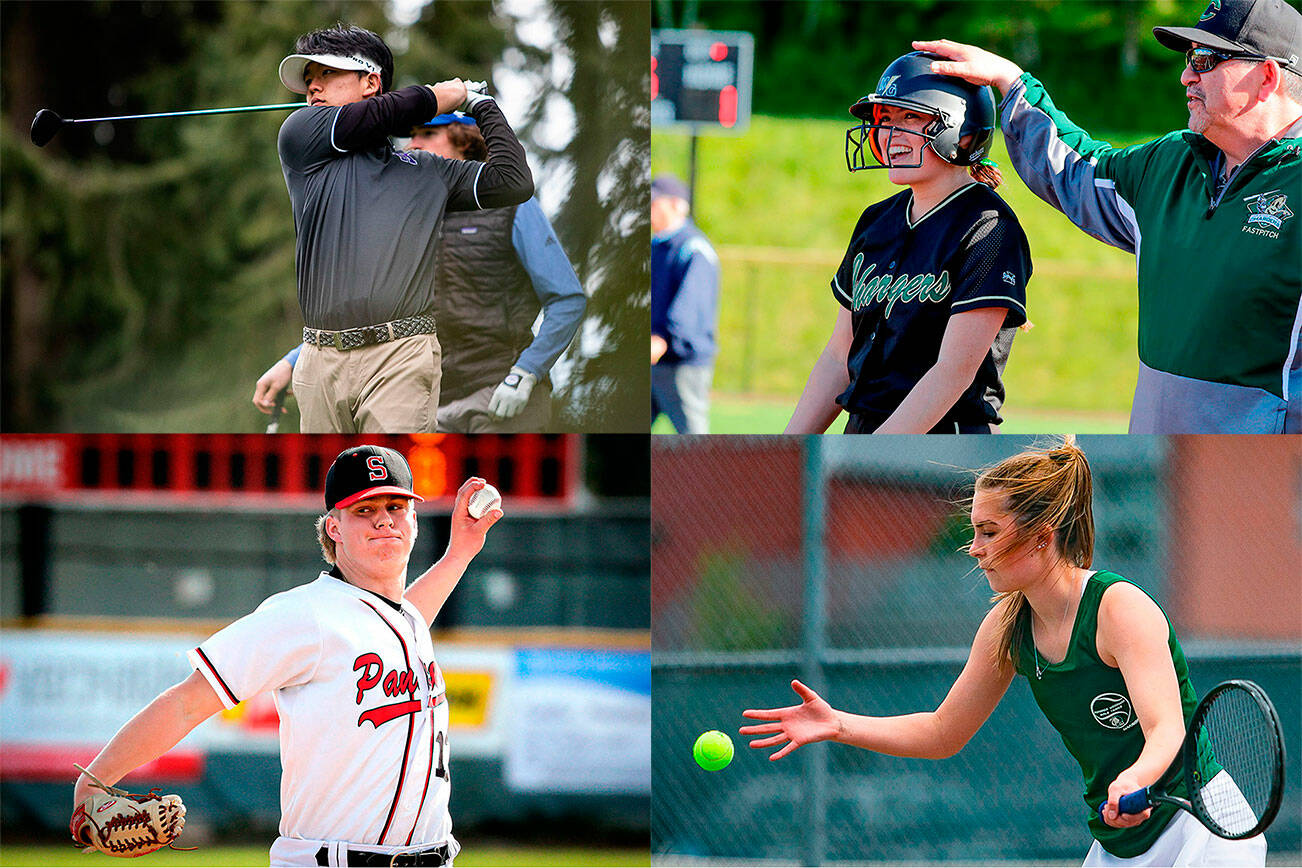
534 470
701 79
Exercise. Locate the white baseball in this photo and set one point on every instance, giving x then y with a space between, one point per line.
482 501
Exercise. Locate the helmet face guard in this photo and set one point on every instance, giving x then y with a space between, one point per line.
869 132
960 111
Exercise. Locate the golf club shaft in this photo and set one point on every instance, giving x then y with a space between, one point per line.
216 111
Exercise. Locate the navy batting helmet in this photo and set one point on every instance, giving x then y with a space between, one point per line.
960 110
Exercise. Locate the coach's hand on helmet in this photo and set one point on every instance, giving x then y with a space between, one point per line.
269 386
510 397
971 63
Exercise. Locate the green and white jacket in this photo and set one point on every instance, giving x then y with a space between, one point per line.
1219 270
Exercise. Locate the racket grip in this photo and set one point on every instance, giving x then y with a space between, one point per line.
1132 803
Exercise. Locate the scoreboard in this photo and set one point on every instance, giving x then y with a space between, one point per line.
538 470
701 79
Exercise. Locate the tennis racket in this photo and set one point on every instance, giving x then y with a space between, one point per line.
1235 728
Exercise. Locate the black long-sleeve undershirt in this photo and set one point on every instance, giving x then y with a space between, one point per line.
505 179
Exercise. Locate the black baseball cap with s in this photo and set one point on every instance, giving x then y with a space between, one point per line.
1271 28
365 471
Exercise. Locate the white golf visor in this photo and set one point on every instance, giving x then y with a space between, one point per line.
292 67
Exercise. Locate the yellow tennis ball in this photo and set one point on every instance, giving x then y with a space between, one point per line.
712 751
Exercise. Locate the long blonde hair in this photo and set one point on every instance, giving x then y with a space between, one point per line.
1045 489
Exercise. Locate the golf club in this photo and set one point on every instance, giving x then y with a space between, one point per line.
47 123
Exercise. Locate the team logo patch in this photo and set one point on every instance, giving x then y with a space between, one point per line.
1211 10
406 157
887 86
1266 213
1113 711
1009 279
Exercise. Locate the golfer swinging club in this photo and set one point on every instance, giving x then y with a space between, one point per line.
366 217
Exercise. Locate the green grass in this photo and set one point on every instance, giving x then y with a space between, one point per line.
470 857
750 414
784 184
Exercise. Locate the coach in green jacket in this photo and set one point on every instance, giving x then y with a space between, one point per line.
1211 214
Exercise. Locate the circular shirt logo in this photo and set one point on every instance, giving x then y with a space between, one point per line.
1112 711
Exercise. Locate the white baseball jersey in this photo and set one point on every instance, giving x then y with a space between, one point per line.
363 715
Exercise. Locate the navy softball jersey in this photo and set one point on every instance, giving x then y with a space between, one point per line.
903 281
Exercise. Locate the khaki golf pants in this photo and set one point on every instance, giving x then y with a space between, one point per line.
389 388
469 415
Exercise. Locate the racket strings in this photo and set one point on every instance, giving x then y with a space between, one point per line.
1242 740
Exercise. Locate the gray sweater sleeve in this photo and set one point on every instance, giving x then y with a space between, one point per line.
1063 177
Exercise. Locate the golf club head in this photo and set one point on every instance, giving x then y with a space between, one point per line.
44 126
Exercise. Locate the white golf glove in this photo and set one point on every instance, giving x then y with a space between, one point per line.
474 94
510 397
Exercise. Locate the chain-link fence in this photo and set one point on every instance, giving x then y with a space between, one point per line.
840 561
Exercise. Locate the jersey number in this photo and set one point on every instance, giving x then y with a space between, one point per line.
442 769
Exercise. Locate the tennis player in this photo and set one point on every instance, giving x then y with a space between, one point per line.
1102 660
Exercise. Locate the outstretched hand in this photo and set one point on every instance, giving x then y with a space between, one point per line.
971 63
813 720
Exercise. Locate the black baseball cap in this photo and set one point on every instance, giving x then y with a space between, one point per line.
365 471
1263 27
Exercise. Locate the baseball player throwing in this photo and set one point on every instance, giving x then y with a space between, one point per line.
362 703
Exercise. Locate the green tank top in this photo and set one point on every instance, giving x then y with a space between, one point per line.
1087 702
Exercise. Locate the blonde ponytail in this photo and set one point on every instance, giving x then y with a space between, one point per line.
1046 489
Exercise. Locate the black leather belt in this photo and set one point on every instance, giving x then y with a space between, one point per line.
429 856
351 339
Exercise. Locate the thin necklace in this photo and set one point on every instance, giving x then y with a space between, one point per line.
1039 670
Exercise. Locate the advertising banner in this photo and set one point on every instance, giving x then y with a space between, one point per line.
580 721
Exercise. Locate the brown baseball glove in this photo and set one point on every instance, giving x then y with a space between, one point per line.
127 824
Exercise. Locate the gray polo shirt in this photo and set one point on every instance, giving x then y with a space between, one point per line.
365 215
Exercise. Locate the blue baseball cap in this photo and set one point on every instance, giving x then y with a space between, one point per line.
453 118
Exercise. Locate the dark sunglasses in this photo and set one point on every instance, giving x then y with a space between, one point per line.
1202 60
